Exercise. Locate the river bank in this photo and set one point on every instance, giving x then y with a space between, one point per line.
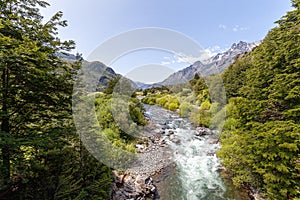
138 182
175 161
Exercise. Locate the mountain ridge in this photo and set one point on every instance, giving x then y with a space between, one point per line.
95 68
215 64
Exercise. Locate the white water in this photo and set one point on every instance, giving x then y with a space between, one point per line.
197 165
195 158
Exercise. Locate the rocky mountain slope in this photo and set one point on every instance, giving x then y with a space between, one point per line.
104 73
214 65
183 75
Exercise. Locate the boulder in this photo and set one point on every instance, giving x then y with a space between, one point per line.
140 148
170 132
201 131
139 187
175 140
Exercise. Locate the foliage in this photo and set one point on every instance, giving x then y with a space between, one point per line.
235 76
168 101
194 100
185 109
111 85
154 90
110 127
198 84
260 144
41 155
202 115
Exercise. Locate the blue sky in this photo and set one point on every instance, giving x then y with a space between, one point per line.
214 24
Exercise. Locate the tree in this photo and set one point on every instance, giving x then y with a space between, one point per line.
35 89
260 144
111 85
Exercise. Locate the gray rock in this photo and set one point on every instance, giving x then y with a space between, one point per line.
176 140
201 131
217 63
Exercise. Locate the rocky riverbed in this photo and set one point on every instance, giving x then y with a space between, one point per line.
153 164
153 156
174 161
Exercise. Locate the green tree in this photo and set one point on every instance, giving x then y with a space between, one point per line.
198 84
35 95
260 144
111 85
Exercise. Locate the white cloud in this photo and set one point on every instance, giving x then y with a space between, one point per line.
182 58
222 26
239 28
214 50
168 61
235 28
179 58
244 28
165 63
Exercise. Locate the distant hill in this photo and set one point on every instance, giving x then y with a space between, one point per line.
100 72
96 69
183 75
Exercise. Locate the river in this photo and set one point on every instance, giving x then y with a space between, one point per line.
196 173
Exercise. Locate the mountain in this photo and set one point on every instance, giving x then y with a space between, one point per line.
69 57
221 61
97 71
143 85
215 64
101 73
183 75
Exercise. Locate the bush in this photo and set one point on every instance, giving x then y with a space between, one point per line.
173 106
185 109
205 105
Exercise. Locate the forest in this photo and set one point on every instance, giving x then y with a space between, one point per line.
42 156
261 138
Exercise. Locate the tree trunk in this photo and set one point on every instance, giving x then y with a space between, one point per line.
5 127
6 164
